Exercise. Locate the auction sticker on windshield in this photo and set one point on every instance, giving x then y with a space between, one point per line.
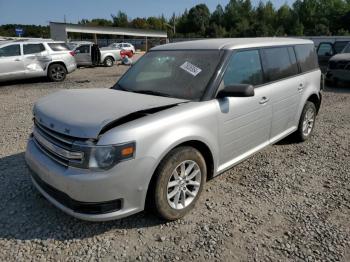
192 69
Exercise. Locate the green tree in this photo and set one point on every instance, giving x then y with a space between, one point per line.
140 23
238 17
155 23
120 20
198 19
217 16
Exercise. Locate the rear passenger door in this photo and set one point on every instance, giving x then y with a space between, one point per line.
281 75
244 122
35 59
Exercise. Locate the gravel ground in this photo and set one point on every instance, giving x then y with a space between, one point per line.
290 202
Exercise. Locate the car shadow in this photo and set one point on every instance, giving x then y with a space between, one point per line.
24 81
26 215
289 140
341 88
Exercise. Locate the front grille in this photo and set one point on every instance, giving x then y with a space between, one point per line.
57 146
78 206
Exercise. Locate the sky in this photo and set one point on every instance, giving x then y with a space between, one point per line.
40 12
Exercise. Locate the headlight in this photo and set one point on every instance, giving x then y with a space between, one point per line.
105 157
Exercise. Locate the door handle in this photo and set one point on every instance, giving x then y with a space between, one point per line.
17 59
300 87
264 100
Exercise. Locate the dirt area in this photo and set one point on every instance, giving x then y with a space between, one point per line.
290 202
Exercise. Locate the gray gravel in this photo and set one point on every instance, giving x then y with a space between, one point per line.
291 202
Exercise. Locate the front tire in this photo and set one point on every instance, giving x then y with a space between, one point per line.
178 183
306 122
108 61
56 73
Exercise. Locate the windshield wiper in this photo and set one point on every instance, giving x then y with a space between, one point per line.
150 92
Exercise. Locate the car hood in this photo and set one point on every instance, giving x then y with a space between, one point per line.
84 112
338 57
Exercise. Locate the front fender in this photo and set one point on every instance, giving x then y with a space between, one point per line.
164 144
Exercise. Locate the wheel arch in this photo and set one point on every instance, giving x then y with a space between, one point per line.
57 62
201 146
107 56
316 99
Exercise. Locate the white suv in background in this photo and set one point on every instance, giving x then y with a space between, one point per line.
35 58
123 46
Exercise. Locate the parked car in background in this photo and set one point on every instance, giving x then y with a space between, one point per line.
21 59
338 69
89 54
185 112
123 46
127 53
326 50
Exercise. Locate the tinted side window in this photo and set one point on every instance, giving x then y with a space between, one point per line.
33 48
10 50
325 49
346 49
339 46
278 63
244 68
307 57
84 49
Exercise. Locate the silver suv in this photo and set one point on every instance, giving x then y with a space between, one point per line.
35 58
184 113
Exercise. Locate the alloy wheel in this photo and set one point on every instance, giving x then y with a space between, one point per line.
308 122
184 184
57 73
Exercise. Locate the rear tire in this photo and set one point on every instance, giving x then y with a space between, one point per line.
109 61
56 73
306 122
178 183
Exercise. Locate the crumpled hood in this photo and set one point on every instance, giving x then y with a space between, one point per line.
84 112
338 57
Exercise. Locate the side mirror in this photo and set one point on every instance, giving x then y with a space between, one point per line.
237 90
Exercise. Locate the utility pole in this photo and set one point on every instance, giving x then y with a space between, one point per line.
174 24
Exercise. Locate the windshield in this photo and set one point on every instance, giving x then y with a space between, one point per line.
181 74
339 46
346 49
72 46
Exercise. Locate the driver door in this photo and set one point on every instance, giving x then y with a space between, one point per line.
83 55
245 122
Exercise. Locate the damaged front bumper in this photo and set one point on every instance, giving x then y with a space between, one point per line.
93 196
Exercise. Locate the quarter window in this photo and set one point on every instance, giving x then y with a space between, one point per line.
244 68
33 48
10 50
307 57
279 63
